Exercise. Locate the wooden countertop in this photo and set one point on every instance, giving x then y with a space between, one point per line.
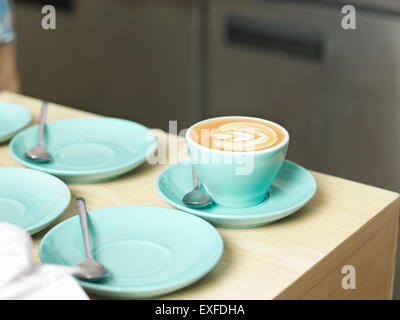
287 259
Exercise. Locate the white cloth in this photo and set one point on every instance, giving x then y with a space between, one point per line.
20 279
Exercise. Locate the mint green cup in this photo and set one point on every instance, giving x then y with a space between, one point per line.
237 179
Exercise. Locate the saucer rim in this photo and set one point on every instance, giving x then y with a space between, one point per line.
239 219
139 291
89 174
27 118
53 214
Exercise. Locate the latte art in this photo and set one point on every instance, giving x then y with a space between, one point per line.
243 136
237 134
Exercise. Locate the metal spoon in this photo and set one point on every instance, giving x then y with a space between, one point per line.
38 153
91 269
196 198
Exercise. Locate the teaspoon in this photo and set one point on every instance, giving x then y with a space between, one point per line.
38 153
91 269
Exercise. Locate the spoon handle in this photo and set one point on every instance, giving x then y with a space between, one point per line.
42 122
80 203
195 179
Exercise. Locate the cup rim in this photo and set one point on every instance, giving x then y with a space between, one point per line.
274 148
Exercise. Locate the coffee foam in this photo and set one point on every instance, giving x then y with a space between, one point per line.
237 134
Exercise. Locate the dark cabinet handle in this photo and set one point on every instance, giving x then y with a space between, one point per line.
62 5
293 40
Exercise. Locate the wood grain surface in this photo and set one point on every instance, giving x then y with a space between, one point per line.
299 257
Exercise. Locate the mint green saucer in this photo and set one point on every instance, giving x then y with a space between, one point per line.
292 189
87 150
13 118
31 199
148 251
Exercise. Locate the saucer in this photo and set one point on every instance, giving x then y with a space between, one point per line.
148 251
13 118
87 150
31 199
292 189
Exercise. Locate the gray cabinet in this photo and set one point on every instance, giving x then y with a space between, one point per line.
130 59
336 91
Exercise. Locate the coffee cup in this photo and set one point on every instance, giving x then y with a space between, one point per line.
237 158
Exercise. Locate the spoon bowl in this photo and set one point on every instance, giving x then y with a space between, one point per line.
38 154
196 198
90 269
